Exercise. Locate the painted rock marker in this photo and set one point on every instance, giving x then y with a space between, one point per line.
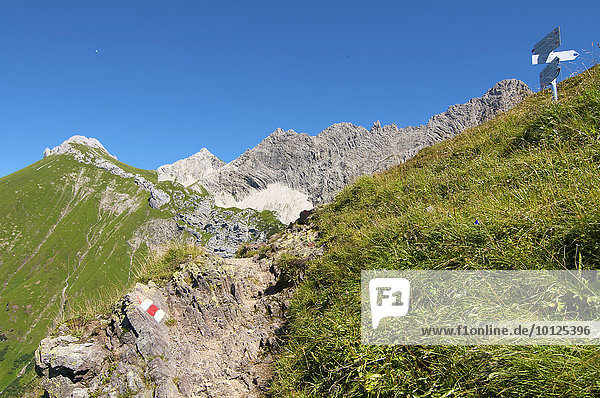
155 312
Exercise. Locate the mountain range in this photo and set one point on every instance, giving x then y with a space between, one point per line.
76 225
288 172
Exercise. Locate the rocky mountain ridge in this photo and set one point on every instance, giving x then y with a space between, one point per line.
288 172
157 198
219 230
188 171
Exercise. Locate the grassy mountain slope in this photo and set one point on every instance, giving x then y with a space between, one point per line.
531 180
63 232
73 234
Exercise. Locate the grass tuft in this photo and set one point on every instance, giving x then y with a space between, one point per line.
160 266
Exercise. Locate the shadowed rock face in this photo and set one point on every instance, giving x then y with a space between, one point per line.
316 167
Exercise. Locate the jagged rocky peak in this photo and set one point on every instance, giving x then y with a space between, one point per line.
280 133
502 96
189 170
376 126
66 146
509 86
506 93
339 129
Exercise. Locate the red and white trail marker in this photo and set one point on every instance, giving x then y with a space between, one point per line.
148 306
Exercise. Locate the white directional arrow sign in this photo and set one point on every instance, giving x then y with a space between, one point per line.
568 55
550 73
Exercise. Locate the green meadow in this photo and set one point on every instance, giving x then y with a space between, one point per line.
519 192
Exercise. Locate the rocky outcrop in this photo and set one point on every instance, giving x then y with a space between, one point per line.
66 363
68 146
221 317
158 198
226 229
313 168
220 230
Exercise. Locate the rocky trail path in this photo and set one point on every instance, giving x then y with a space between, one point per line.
210 331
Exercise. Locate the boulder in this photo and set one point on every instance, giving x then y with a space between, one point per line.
65 357
158 198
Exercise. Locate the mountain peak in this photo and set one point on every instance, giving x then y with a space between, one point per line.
187 171
66 146
203 153
376 126
509 87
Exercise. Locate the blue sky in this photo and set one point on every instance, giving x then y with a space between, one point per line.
172 77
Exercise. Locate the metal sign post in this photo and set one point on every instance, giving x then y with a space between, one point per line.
543 53
554 89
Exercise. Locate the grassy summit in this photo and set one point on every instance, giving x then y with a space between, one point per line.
519 192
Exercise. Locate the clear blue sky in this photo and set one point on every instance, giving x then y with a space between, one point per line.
171 77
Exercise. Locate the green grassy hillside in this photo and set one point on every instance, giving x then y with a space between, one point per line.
73 235
531 180
63 232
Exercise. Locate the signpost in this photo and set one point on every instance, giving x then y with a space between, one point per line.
549 43
543 53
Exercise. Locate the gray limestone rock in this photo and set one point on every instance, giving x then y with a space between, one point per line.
60 387
68 146
158 198
80 393
187 171
167 389
150 335
63 356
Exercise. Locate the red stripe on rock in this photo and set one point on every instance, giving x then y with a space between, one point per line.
152 310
